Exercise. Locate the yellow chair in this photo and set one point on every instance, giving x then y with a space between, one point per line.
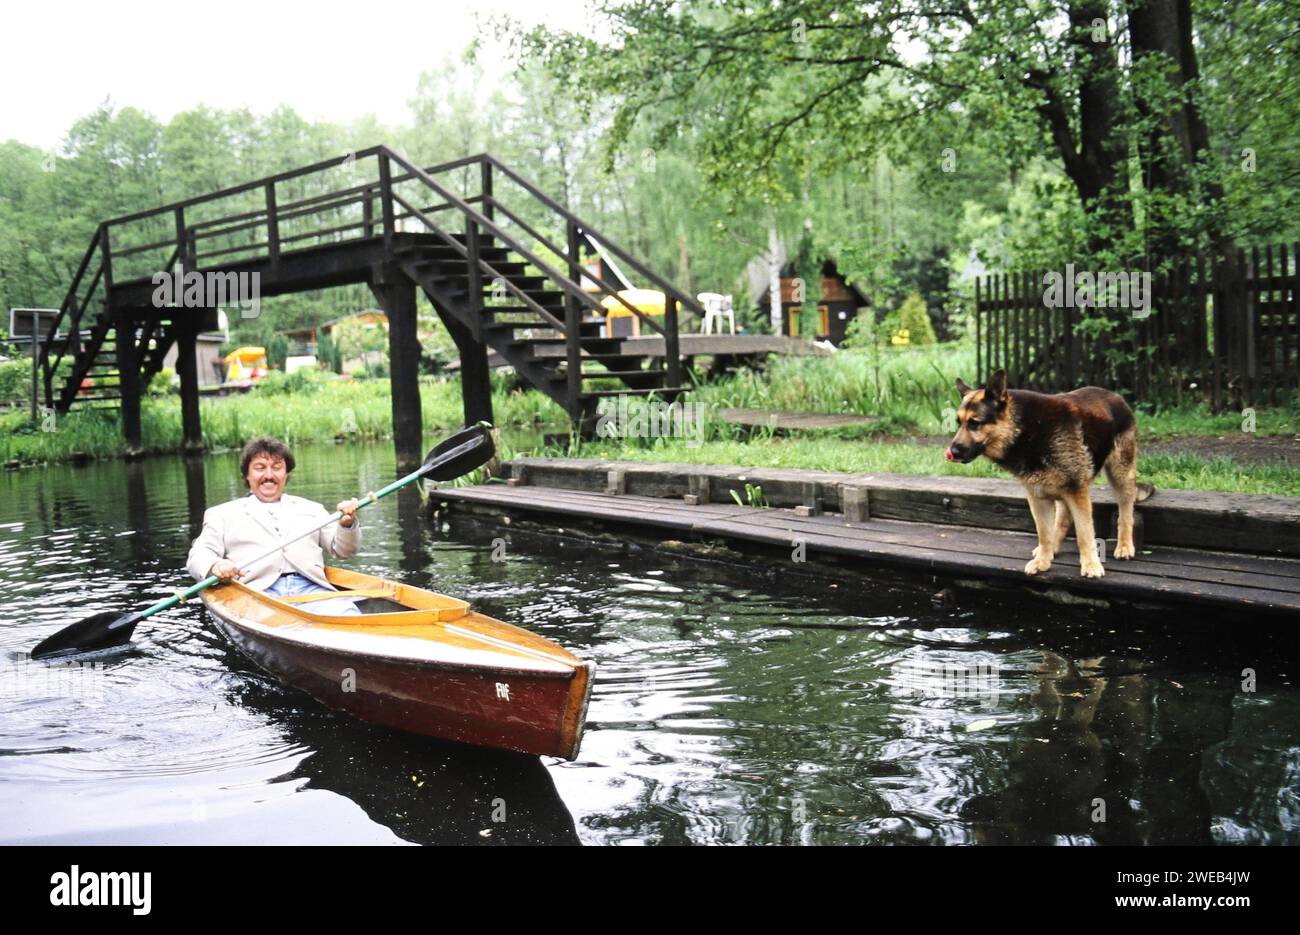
245 363
646 301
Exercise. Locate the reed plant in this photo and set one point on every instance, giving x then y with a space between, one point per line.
904 388
318 411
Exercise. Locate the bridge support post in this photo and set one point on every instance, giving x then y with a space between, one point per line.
396 294
128 369
187 370
475 379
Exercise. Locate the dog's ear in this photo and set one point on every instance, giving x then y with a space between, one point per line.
995 387
962 387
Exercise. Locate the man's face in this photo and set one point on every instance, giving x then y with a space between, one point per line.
266 477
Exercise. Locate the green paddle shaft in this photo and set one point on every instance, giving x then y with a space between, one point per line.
334 517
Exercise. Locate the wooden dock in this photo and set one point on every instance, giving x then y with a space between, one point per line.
714 345
742 346
1162 575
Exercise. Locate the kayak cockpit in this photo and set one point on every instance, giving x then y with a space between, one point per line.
382 604
405 621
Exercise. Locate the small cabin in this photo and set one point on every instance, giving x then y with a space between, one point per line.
303 340
208 361
839 303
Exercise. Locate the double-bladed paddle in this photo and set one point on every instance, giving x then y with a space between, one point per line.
456 456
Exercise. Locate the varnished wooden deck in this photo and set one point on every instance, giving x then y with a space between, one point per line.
709 345
1162 575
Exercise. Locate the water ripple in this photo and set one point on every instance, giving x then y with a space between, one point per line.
733 705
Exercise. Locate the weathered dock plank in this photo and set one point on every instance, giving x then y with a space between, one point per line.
1174 564
1227 522
1168 575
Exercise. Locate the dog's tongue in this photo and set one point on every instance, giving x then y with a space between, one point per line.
947 453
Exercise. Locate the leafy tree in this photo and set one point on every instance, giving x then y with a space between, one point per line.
909 132
327 353
808 269
915 320
357 339
277 351
821 84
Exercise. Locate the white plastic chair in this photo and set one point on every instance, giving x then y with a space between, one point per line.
716 306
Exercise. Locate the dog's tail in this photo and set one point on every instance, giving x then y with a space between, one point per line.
1145 490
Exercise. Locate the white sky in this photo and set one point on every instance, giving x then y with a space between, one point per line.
328 60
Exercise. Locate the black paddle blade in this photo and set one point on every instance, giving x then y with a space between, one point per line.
98 631
463 452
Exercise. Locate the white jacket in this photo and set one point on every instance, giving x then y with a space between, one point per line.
239 531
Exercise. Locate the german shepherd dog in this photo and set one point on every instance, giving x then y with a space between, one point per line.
1055 446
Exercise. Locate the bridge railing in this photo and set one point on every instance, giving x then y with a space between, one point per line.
305 206
368 193
496 171
85 282
535 225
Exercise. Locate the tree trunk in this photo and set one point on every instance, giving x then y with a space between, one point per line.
1095 162
1177 137
1101 146
683 262
774 277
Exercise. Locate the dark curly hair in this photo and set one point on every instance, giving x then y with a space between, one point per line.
265 445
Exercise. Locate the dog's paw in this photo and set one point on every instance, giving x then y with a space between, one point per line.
1092 569
1125 550
1037 564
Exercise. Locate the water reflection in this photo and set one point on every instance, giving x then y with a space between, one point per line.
424 791
736 703
196 495
137 514
413 532
1108 756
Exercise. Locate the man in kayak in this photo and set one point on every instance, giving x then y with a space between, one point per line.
242 529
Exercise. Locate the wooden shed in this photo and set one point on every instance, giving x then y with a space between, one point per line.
839 303
304 340
208 364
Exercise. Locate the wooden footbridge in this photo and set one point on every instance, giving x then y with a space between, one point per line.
498 258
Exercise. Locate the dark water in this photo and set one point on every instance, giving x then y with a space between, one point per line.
733 703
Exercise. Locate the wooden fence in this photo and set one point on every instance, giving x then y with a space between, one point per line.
1223 329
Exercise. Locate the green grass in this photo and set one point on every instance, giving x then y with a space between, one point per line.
1181 471
315 413
1188 472
907 388
1197 420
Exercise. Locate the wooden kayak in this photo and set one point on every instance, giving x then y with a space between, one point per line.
415 661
